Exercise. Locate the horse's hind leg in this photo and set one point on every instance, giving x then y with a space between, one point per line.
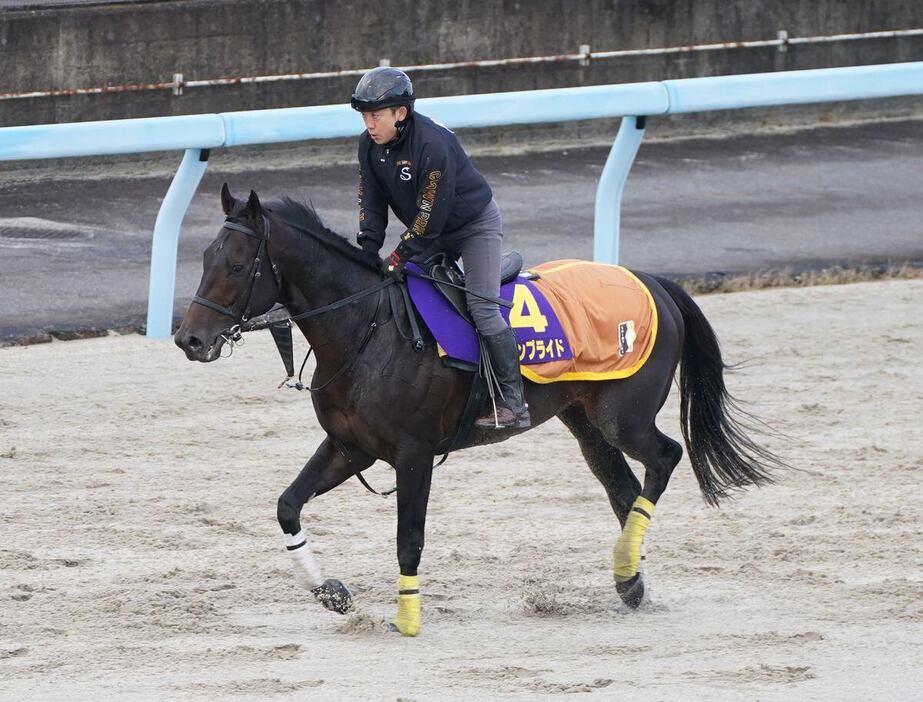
609 466
603 437
605 461
326 469
637 435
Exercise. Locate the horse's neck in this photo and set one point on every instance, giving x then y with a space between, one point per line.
317 276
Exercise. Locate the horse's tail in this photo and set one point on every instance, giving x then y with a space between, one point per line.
722 455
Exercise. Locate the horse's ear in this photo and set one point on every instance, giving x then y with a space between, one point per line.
227 200
253 204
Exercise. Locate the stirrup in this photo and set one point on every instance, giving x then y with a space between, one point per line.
515 421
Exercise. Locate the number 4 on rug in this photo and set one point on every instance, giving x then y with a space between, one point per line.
525 311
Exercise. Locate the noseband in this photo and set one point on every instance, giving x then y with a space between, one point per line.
241 317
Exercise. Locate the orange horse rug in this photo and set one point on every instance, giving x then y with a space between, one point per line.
608 316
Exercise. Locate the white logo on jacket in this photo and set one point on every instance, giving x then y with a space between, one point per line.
405 173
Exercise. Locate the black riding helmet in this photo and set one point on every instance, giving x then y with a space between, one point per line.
383 87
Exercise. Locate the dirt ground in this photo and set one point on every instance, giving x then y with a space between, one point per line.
140 557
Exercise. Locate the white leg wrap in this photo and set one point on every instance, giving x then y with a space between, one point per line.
307 569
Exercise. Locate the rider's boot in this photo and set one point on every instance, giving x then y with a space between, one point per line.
512 410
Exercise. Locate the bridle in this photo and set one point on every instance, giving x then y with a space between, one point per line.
233 333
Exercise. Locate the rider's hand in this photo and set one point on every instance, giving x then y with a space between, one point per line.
393 265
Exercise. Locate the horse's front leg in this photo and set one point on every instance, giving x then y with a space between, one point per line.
326 469
414 475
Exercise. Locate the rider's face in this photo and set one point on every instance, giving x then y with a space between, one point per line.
381 123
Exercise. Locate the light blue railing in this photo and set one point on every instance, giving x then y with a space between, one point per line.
633 102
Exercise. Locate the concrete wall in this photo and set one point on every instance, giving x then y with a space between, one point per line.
67 47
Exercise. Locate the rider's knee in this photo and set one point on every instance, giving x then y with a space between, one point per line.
487 317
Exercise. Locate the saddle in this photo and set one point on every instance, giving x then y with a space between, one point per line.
445 269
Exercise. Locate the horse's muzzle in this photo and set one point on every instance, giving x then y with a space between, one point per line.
197 349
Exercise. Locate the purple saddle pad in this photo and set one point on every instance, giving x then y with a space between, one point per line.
537 327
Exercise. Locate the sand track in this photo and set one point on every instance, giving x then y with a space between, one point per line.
140 558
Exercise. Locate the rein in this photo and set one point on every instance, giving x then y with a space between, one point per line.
372 328
234 334
355 297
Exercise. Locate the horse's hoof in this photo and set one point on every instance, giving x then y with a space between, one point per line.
334 596
631 591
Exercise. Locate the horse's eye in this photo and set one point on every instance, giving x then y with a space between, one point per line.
237 268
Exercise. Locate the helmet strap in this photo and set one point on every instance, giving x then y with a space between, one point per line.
401 125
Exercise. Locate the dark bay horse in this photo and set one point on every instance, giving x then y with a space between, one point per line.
366 368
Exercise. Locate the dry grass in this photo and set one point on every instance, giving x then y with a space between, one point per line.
788 278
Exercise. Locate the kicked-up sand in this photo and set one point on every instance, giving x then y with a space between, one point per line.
140 557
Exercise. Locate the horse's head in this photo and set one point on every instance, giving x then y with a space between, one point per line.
238 280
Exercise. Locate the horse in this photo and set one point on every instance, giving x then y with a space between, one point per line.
283 253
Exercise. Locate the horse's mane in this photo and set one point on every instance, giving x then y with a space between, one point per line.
304 218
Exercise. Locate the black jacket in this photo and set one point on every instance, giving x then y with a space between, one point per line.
427 180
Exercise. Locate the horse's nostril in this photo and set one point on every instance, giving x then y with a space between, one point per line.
194 343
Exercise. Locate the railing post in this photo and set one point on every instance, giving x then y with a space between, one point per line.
166 238
610 188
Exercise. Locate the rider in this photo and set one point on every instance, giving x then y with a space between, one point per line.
417 167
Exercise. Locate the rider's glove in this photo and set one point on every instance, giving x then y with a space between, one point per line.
394 264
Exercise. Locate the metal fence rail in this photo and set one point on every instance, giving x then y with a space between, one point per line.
633 102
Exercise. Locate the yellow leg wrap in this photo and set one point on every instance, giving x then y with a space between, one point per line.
408 605
626 555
